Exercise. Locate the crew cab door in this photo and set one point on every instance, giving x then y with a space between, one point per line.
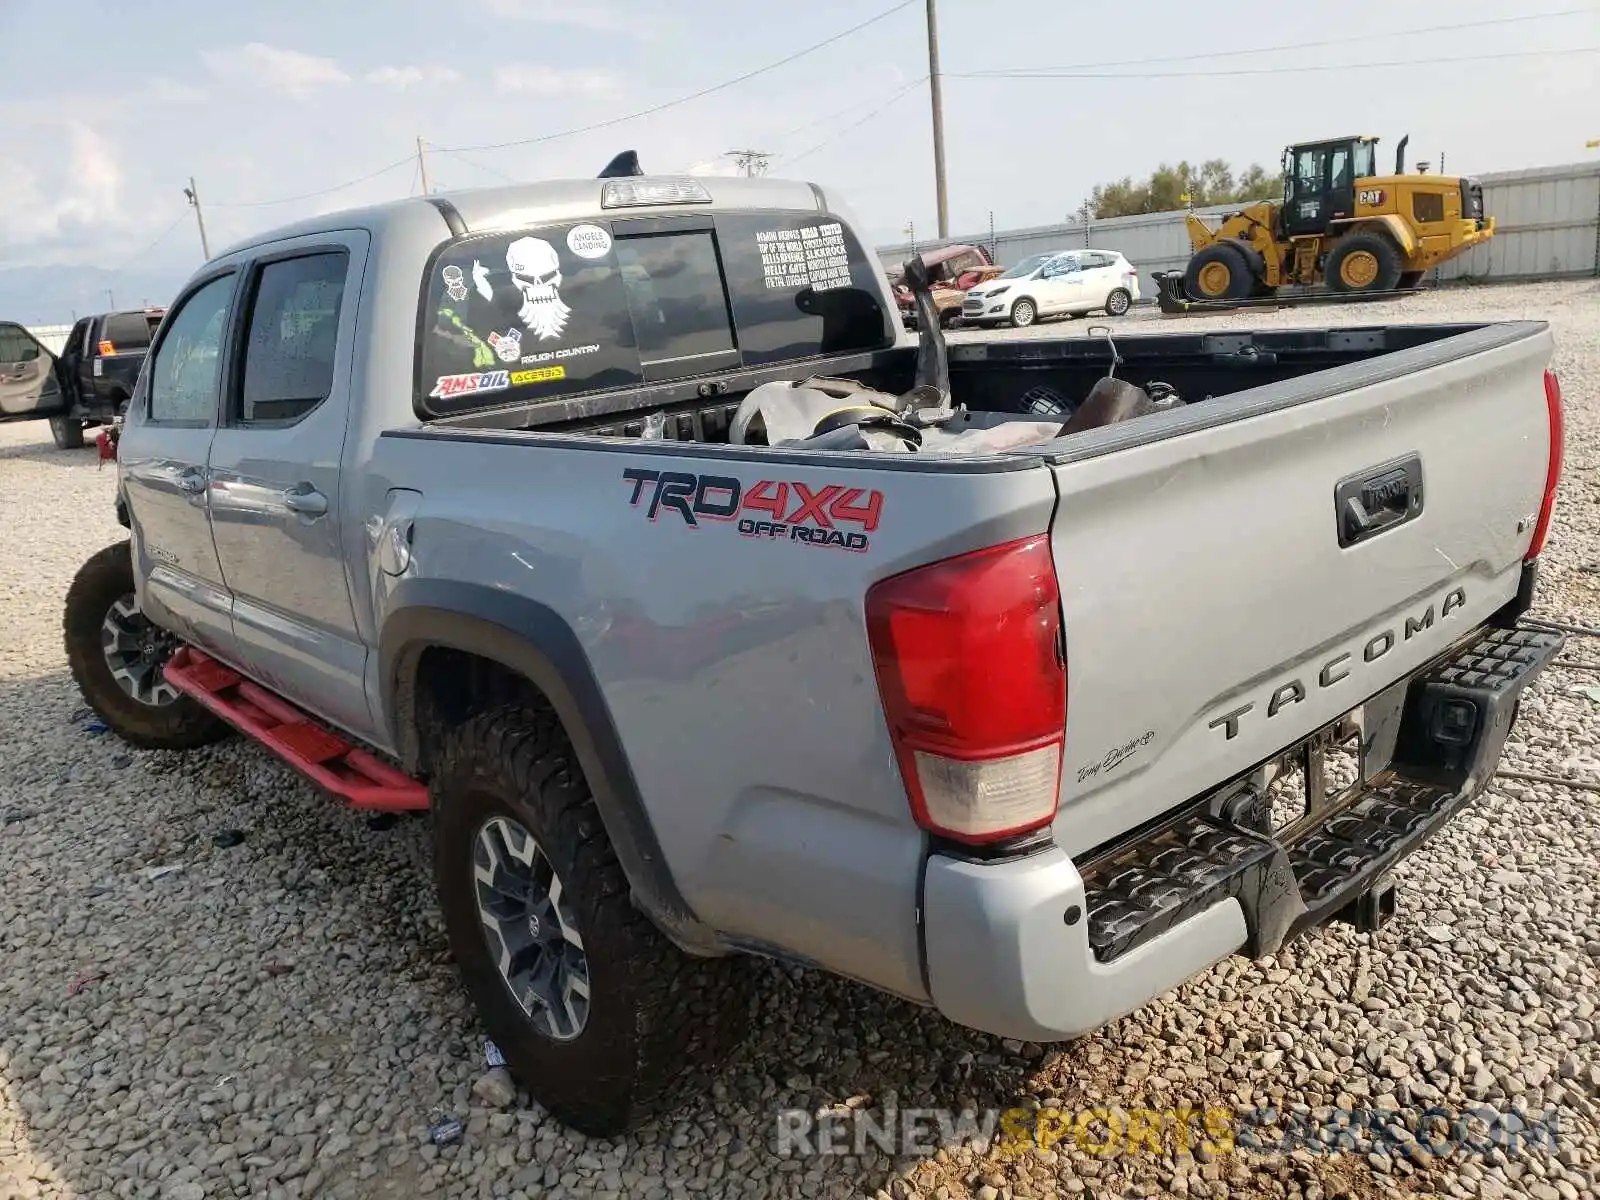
28 386
275 477
161 461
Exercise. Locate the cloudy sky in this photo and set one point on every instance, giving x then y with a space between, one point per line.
108 114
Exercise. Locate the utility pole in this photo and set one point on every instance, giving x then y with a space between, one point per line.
937 98
422 165
751 162
111 300
194 202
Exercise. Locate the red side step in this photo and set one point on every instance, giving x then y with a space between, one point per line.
323 756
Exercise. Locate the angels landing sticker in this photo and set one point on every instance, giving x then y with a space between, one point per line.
589 241
465 385
832 516
454 285
536 271
507 345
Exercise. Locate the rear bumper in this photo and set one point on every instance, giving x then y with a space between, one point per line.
1043 949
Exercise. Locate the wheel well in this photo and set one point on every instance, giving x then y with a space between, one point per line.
451 686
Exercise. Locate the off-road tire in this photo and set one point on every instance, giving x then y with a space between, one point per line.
67 433
656 1016
181 724
1118 302
1240 282
1385 279
1024 313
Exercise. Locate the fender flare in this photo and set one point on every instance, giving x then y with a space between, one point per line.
537 643
1389 223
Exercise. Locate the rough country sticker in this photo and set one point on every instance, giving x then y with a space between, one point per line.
507 345
536 271
465 385
564 352
454 285
589 241
832 516
813 256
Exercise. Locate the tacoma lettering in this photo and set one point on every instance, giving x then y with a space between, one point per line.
1337 669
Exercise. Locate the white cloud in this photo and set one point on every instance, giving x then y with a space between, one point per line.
84 193
287 71
554 81
594 15
405 77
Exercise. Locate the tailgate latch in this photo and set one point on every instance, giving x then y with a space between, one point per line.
1377 499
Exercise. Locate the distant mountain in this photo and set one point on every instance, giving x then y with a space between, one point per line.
52 295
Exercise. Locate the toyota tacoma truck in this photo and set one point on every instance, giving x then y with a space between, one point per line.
87 384
618 523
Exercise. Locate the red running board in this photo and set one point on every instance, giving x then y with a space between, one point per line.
322 756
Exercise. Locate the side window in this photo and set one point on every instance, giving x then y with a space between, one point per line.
293 333
526 315
186 372
675 294
17 345
801 285
1341 169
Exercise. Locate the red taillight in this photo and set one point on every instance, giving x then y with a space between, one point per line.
1552 477
968 655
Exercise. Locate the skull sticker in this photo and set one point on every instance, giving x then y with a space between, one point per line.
453 283
536 271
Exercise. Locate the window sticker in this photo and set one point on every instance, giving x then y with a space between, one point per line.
539 375
466 385
812 256
455 287
507 345
589 241
536 271
482 352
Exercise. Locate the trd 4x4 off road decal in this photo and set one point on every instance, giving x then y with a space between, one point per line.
831 515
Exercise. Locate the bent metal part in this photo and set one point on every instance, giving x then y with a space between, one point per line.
1337 668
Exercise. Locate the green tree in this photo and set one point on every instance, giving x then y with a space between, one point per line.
1212 182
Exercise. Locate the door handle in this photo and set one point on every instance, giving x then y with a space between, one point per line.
192 481
306 501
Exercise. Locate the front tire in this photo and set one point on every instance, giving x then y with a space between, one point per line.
592 1007
1023 314
116 656
1219 272
1118 302
67 433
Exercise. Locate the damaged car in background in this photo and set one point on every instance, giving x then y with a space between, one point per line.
620 523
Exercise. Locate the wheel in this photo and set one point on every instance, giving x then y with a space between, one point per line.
1023 314
1219 272
116 656
949 318
1363 262
1118 302
592 1007
67 433
1410 279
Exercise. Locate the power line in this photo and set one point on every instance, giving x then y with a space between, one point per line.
1388 35
1295 70
714 88
794 158
160 237
409 159
474 163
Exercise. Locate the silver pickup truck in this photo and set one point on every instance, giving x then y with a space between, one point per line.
618 523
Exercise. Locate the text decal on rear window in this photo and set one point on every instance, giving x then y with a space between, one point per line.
812 256
833 516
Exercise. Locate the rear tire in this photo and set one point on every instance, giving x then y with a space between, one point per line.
634 1011
1118 302
1023 314
1219 272
67 433
116 656
1363 263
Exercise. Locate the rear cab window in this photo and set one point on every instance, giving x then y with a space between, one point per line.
590 306
127 332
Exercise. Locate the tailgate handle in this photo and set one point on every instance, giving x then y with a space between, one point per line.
1378 499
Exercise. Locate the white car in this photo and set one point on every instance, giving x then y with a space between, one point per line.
1062 283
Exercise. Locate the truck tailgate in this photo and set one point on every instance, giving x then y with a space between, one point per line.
1213 617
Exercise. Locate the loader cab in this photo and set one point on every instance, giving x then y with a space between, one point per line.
1319 182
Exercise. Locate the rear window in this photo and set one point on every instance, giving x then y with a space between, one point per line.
129 332
559 309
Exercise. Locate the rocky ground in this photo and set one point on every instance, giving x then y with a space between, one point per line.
215 983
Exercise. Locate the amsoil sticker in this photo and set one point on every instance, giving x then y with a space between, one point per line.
507 345
812 256
464 385
832 516
589 241
542 375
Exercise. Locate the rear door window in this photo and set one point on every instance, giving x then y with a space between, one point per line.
524 316
801 286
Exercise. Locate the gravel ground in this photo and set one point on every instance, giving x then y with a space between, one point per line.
278 1017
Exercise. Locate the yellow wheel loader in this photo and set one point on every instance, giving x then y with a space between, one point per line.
1341 224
